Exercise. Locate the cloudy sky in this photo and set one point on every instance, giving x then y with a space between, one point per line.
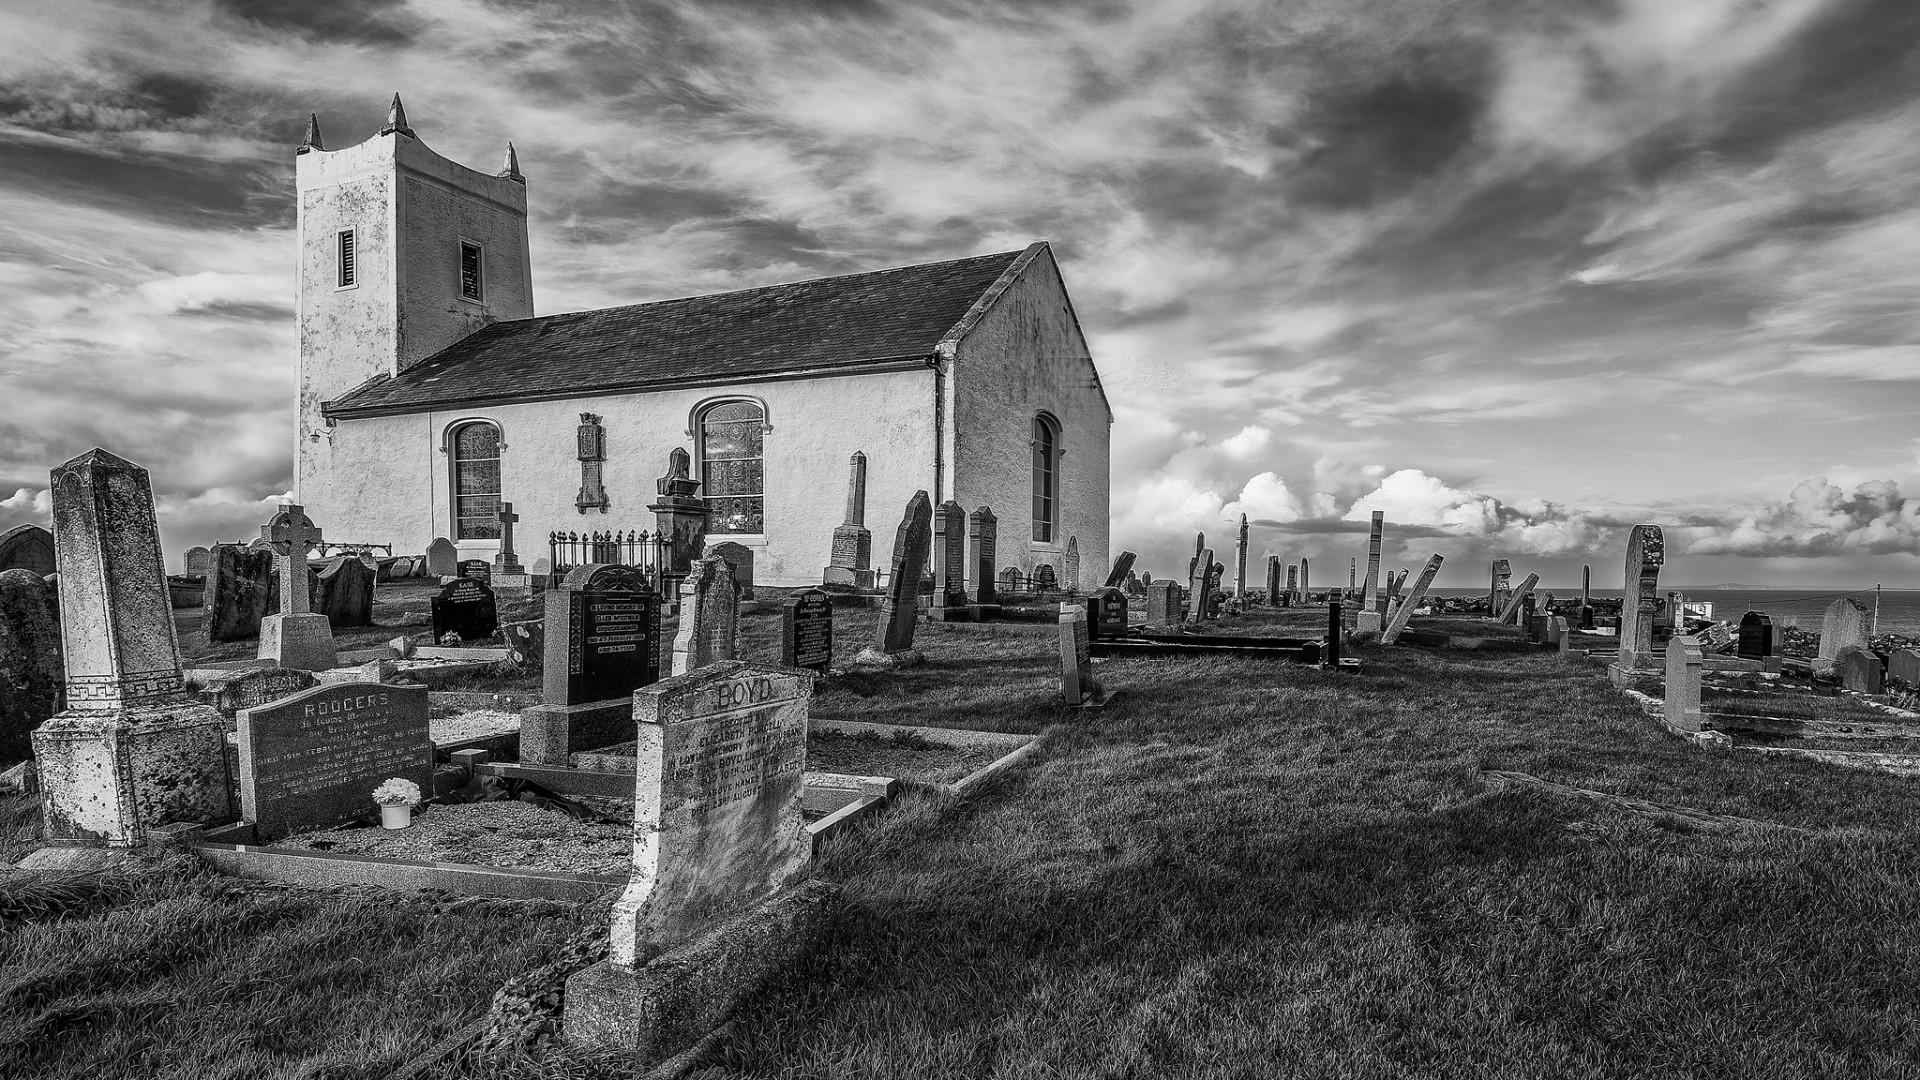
1515 272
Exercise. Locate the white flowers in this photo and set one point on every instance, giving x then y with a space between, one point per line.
397 792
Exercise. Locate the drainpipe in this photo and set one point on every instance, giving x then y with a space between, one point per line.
943 434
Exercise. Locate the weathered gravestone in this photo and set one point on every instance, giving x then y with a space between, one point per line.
30 667
465 608
1122 566
1497 590
1519 602
1200 587
1560 634
1859 669
740 558
1368 619
852 560
949 558
1904 666
680 523
719 842
258 686
132 751
1163 604
1646 551
196 561
983 536
806 632
1077 686
1756 637
1240 562
296 636
602 644
343 592
443 559
910 543
27 547
1844 624
1686 665
1294 589
239 584
312 760
1397 625
476 570
1273 581
709 617
1071 564
1044 579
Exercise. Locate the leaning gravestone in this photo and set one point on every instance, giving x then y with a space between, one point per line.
709 617
806 638
465 608
1844 624
1122 566
1904 665
27 547
1686 666
1200 586
344 592
240 583
1077 687
312 760
443 559
602 644
740 557
911 542
1368 619
1859 669
1397 625
1646 552
30 667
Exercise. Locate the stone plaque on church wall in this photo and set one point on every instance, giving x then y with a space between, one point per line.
313 760
717 811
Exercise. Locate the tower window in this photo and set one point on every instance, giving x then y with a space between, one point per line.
347 260
1046 478
471 283
476 480
732 468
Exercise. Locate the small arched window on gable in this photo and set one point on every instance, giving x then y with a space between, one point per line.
474 448
1046 478
732 467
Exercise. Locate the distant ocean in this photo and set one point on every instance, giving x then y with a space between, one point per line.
1899 608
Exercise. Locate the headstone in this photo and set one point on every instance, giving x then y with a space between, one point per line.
345 593
312 760
1134 586
852 559
740 557
1497 590
1240 562
239 584
709 617
602 631
543 573
1755 636
1163 604
1336 633
717 825
296 636
1011 580
1122 566
806 632
983 538
1859 669
1369 618
1646 551
1077 686
1107 613
1518 599
1904 665
1685 667
1306 595
507 561
27 547
1295 587
910 543
477 570
1273 581
1215 589
1200 587
1844 624
259 686
680 521
1560 633
196 561
30 667
131 751
1586 591
443 559
1071 563
1398 624
949 556
1044 579
465 608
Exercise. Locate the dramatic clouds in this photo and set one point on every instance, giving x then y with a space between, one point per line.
1513 272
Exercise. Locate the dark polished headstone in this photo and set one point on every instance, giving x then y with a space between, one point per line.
465 607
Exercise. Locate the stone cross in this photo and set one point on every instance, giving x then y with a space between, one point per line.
1646 551
910 543
296 637
1240 564
1404 612
1369 618
1685 667
292 533
1198 585
507 561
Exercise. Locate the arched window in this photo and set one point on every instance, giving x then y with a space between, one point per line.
732 471
475 449
1046 478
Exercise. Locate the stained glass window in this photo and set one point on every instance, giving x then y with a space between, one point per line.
732 468
476 481
1045 480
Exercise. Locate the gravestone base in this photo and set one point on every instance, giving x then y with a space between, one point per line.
955 613
982 612
511 579
875 660
549 733
843 575
1367 622
1097 698
668 1004
114 776
1622 676
302 641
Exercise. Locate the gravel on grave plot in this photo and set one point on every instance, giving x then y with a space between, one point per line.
509 835
472 724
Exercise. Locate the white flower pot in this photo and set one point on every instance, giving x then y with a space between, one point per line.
396 817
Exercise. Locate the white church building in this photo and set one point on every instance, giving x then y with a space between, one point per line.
430 391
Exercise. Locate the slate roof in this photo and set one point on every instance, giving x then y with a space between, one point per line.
860 320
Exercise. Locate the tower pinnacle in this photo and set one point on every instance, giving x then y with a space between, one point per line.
311 140
397 120
512 170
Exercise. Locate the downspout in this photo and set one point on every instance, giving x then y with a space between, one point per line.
943 436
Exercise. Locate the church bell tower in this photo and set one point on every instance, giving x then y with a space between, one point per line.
402 253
